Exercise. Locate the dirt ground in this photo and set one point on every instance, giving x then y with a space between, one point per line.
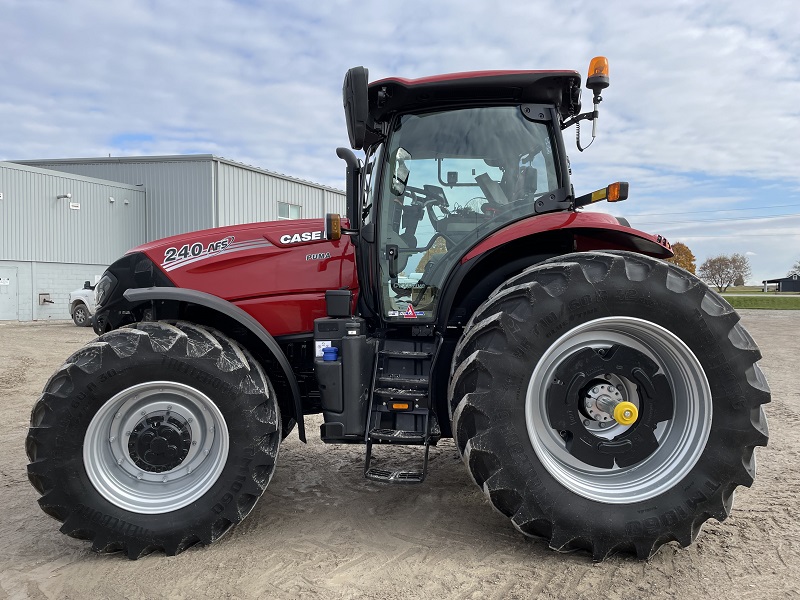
322 531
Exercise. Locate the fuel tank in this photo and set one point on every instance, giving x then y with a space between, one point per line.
276 271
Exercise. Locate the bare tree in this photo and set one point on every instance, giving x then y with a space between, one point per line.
683 257
722 271
740 265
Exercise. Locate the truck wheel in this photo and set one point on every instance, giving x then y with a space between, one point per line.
156 436
538 376
80 316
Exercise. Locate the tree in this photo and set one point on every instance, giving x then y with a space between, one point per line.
722 271
683 257
795 270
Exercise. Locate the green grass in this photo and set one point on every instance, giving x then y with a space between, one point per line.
764 301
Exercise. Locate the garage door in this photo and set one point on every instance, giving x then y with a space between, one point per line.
9 303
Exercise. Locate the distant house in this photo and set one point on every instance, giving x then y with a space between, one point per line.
784 284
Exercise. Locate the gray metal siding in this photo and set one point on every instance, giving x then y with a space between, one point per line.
249 196
180 192
36 226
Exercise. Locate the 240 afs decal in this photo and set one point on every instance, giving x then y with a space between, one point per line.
196 249
176 258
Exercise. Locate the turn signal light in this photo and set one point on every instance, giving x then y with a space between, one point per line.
333 227
617 191
399 406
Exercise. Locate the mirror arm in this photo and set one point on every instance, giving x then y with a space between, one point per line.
353 188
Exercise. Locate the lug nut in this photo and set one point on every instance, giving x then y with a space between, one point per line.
194 442
111 439
119 462
190 419
164 480
139 476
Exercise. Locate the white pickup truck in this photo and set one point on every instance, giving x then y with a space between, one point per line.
81 305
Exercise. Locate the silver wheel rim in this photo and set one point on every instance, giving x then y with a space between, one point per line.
118 478
80 315
681 439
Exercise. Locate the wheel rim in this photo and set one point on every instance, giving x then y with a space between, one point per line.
80 315
156 447
681 439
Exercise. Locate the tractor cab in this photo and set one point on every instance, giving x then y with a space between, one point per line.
440 193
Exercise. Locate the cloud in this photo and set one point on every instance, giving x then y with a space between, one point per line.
700 115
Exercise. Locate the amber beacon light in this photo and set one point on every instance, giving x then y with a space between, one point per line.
598 74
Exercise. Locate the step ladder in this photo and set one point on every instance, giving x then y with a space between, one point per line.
401 398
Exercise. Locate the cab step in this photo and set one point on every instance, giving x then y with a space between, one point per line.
397 436
387 476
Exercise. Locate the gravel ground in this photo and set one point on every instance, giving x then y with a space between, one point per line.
321 530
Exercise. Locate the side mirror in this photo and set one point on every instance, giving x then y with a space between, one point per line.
400 172
87 285
356 105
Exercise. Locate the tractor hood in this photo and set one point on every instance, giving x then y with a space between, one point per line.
276 271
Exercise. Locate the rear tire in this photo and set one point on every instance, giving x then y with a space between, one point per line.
154 437
81 317
625 322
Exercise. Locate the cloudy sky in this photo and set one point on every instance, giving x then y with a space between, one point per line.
701 117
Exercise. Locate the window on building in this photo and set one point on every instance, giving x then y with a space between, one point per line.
288 211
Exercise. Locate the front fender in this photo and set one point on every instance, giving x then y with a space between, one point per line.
138 295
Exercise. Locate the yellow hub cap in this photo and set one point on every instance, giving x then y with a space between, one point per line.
626 413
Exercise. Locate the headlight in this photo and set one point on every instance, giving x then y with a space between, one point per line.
104 288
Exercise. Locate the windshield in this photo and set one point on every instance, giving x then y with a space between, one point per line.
451 179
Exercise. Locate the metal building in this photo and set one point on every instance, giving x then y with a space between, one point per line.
191 192
48 248
783 284
57 231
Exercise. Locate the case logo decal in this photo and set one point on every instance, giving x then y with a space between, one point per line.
297 238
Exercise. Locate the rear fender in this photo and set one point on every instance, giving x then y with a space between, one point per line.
218 305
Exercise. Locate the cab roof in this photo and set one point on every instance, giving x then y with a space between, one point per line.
396 94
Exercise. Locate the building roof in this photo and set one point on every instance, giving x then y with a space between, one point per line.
175 158
780 279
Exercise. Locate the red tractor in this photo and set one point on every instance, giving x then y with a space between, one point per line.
600 397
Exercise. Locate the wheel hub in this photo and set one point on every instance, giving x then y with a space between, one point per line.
160 441
576 391
598 399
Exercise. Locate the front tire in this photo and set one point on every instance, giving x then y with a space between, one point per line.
539 355
156 436
81 317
